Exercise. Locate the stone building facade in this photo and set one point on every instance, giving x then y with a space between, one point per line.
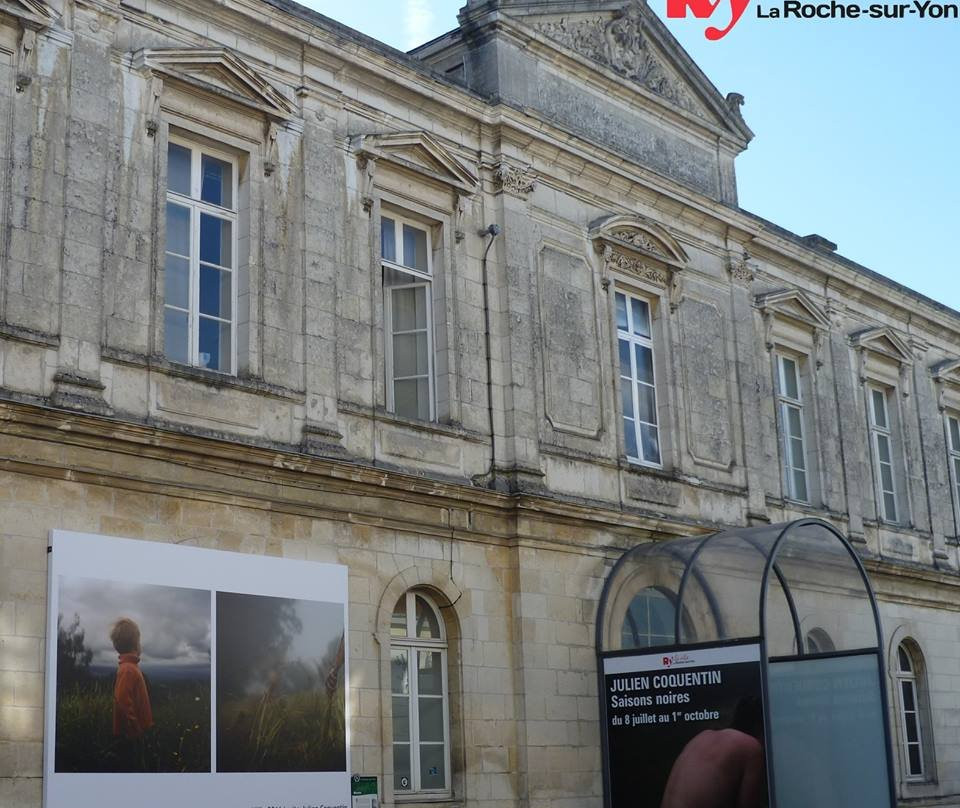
472 320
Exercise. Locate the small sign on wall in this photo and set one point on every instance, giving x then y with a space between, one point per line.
364 792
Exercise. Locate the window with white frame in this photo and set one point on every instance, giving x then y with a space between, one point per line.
953 451
638 388
421 710
791 415
200 277
909 702
884 452
406 251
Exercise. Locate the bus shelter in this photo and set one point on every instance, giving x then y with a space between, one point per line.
742 669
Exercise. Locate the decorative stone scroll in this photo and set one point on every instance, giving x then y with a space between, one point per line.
517 181
621 45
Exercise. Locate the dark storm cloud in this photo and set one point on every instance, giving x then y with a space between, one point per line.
174 622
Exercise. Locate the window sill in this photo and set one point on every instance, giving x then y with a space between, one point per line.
211 378
424 800
431 427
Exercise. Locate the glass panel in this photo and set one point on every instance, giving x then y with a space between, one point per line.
399 675
906 689
415 248
428 624
890 507
411 398
624 349
916 764
800 485
178 229
178 169
401 767
216 241
409 308
621 311
432 767
954 434
430 673
879 408
388 238
626 397
796 450
431 719
641 317
790 388
410 355
910 720
650 439
630 437
175 331
883 448
401 718
398 623
646 404
886 477
827 719
644 364
215 348
904 658
794 427
216 181
216 298
661 611
176 282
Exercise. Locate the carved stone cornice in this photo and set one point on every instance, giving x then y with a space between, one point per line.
622 45
615 260
515 180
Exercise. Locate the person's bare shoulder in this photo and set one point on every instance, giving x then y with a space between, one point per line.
724 743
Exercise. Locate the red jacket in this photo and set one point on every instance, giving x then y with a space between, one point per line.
132 715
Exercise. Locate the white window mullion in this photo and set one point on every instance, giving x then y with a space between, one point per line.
194 323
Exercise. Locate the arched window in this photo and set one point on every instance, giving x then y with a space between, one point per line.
421 710
649 620
819 642
909 676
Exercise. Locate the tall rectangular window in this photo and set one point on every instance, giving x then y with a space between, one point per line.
408 328
200 288
953 452
791 415
881 436
638 389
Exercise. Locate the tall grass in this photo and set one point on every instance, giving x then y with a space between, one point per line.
295 732
178 742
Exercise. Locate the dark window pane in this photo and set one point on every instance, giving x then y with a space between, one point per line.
428 624
790 387
216 298
175 336
916 765
906 689
178 229
641 317
624 351
879 408
401 767
650 438
398 622
430 673
178 169
630 437
215 347
388 239
399 675
955 434
904 658
401 718
216 242
432 767
644 364
626 398
176 282
890 507
646 404
800 485
431 719
415 248
621 311
910 721
216 181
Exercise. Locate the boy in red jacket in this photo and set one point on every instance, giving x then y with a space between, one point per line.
132 715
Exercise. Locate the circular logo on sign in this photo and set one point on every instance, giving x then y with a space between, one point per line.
404 782
356 778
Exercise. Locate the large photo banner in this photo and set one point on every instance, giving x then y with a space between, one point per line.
185 676
685 728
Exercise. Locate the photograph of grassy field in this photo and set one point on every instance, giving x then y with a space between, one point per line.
173 660
280 689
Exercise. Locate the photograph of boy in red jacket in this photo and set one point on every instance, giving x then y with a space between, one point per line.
132 714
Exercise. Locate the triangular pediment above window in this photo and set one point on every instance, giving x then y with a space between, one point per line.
884 341
627 39
794 305
420 153
33 13
947 371
220 71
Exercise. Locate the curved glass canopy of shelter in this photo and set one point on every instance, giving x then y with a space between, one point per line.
800 587
798 595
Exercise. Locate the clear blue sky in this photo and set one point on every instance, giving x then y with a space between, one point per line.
857 125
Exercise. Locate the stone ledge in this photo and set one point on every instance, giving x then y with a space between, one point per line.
452 430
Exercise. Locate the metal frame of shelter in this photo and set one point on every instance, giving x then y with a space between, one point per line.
802 577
